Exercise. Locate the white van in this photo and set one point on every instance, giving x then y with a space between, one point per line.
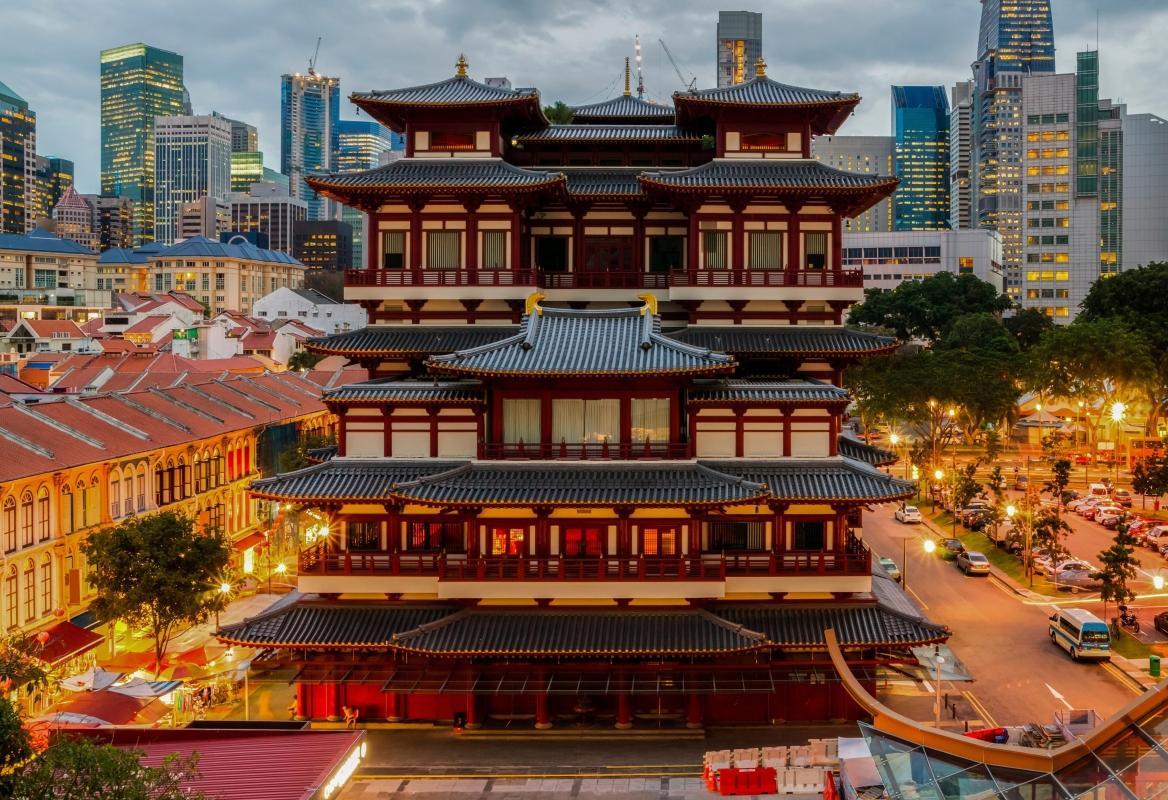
1098 490
1080 633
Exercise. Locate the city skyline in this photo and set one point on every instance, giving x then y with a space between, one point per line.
587 47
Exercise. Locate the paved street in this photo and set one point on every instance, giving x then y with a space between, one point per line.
1001 639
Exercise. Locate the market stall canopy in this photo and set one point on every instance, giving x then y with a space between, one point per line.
116 709
65 641
142 688
93 679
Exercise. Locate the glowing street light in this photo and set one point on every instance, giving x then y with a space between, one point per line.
1158 582
930 546
895 439
1010 512
938 476
1117 411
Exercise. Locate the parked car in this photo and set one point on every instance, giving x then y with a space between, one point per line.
1081 579
1156 537
976 508
1021 483
1138 527
1160 622
1087 508
1081 458
1122 497
890 567
1041 562
1068 565
950 548
909 515
1103 513
971 562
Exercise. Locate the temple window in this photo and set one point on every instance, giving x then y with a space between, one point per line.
815 250
579 542
508 541
551 253
494 250
587 421
736 535
766 250
659 541
452 140
363 535
714 250
435 536
774 142
650 419
393 249
810 535
521 417
443 249
666 253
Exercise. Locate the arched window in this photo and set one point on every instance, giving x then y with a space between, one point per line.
79 520
11 620
183 481
29 590
9 522
66 515
141 498
160 496
26 519
46 584
43 527
128 491
115 494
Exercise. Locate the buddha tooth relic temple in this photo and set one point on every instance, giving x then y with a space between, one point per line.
599 472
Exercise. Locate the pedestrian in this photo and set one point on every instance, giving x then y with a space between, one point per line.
351 713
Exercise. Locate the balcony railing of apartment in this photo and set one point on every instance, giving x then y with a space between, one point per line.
767 278
576 451
317 560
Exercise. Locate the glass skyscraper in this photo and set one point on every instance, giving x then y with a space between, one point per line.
192 161
361 143
17 163
739 45
310 109
138 83
920 124
53 176
1016 39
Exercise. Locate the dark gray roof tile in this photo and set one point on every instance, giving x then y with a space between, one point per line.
455 91
391 390
610 133
784 340
764 91
346 479
817 479
779 174
431 174
766 391
309 623
410 341
622 107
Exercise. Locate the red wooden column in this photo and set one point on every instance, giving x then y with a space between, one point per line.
691 239
372 238
624 537
517 262
332 702
833 442
387 431
793 238
837 242
838 534
472 712
639 210
624 712
471 206
301 701
543 538
542 719
779 528
392 527
739 431
394 706
738 234
341 435
470 530
695 532
578 211
416 204
693 716
788 419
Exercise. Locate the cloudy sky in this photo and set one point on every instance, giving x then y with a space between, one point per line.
572 50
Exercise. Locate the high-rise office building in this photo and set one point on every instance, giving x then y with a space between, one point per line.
739 46
113 220
864 155
244 138
208 216
323 244
192 161
1073 205
17 163
920 125
361 143
279 179
138 83
960 156
73 219
247 167
310 110
1016 39
1144 190
53 176
269 209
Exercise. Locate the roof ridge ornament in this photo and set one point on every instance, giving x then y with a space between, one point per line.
760 67
532 303
628 88
460 66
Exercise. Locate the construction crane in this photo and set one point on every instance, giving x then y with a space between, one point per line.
640 74
315 53
692 83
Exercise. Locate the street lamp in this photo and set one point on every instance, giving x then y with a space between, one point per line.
1158 582
1117 411
937 704
280 569
938 476
930 546
224 590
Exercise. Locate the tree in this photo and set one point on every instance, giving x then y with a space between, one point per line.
75 768
156 572
965 487
927 309
19 666
303 359
559 112
1119 566
997 481
1060 478
1047 532
1135 297
979 360
1027 326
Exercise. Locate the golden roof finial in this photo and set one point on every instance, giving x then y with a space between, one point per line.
461 66
650 306
628 77
532 303
760 67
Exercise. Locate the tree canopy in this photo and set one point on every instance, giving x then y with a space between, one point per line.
155 572
558 112
75 768
928 308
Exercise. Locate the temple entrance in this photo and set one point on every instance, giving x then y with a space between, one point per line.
583 542
608 254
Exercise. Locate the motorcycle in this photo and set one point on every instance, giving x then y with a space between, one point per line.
1126 619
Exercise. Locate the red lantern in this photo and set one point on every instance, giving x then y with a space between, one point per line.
43 638
58 612
6 685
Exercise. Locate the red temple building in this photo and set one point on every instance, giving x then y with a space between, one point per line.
599 472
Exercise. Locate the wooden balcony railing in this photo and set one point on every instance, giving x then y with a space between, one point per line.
317 560
440 277
767 278
603 280
600 451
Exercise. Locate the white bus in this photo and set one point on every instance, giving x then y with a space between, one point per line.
1080 633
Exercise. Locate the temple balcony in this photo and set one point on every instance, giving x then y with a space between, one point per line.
460 576
592 451
753 284
435 284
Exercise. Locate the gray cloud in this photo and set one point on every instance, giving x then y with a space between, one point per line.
236 51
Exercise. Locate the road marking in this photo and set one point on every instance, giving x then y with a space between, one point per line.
1058 696
1127 680
928 686
924 605
980 709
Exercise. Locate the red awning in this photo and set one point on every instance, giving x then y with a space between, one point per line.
251 540
66 641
